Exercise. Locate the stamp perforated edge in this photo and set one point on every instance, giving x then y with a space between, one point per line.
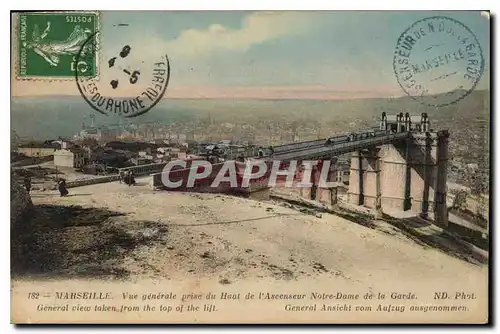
15 47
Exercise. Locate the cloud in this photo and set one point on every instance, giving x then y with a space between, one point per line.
256 28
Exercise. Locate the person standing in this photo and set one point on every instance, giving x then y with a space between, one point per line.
63 190
261 152
132 178
129 178
27 183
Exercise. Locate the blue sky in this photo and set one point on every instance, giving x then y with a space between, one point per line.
336 50
321 48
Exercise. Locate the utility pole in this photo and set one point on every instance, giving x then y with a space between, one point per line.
270 134
319 131
281 132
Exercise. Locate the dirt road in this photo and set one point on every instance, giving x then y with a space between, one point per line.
115 231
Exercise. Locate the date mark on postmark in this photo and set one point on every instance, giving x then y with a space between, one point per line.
49 42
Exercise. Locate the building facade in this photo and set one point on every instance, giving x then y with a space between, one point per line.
73 157
44 149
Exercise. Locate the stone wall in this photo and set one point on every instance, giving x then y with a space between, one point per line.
95 180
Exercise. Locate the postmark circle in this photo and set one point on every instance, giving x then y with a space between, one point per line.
438 61
129 85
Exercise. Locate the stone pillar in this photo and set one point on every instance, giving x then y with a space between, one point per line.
323 191
441 209
383 121
378 202
371 178
364 180
407 122
332 171
394 176
333 195
355 194
429 161
425 124
422 160
315 173
415 178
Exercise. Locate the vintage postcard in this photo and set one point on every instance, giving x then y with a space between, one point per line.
291 167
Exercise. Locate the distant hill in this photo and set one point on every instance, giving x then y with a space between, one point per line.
46 117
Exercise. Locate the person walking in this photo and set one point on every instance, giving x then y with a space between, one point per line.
121 176
129 178
63 190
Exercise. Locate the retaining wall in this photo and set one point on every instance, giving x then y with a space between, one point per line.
96 180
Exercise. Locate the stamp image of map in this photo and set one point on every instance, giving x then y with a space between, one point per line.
49 44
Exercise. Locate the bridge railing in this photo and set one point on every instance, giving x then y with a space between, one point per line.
246 152
254 151
296 146
306 145
144 169
340 148
365 143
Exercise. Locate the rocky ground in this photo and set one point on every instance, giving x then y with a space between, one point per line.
112 231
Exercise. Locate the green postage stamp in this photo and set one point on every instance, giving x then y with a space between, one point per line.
49 43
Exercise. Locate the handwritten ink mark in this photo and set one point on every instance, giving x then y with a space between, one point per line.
444 76
432 46
114 83
125 51
134 77
111 62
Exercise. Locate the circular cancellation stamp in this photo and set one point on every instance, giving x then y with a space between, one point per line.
131 82
438 61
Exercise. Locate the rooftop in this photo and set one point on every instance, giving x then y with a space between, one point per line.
45 144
